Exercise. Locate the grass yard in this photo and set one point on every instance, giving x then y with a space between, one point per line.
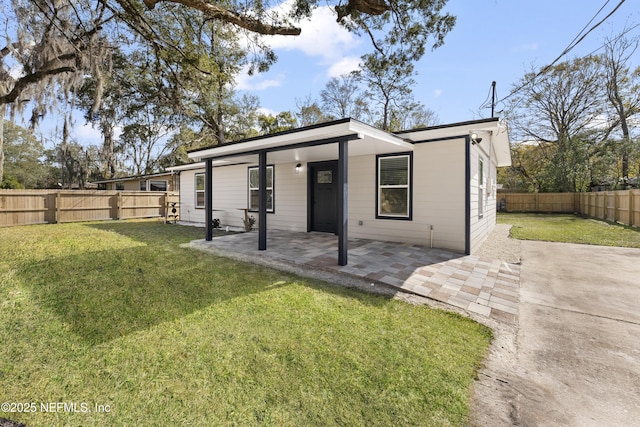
569 228
117 315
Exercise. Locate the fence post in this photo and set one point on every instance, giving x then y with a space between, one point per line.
58 207
165 207
119 205
536 202
632 213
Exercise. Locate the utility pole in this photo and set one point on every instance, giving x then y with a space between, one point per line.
493 98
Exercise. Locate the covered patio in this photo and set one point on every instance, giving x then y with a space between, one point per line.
327 142
487 288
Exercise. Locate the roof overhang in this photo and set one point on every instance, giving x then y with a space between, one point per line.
493 130
311 143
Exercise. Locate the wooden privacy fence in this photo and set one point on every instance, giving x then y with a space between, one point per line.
618 206
23 207
540 202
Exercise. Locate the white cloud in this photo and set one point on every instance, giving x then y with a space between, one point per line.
267 111
437 92
88 135
257 81
321 36
344 66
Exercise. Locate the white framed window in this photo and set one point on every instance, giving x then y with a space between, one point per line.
394 190
143 185
158 185
119 186
199 186
254 188
481 187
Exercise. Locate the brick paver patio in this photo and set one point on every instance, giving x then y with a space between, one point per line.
488 288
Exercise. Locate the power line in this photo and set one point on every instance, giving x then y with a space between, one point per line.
615 39
585 27
576 40
574 44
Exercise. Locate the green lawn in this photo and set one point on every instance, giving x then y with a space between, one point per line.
116 314
569 228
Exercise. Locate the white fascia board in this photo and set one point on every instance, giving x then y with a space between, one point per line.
363 130
190 166
501 144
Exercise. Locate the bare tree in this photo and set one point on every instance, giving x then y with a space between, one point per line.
557 107
342 97
623 90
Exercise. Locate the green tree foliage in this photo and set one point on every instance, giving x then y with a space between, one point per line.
75 165
25 165
411 115
309 112
280 122
194 49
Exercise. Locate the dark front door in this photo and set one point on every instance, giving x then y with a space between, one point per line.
324 196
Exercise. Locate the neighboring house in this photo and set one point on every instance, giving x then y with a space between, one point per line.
434 186
167 181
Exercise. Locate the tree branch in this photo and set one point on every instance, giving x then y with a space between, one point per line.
23 82
242 21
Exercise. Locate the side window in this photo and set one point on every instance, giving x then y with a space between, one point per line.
481 187
199 185
254 188
158 186
143 185
394 186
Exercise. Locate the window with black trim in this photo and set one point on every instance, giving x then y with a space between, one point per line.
119 186
199 186
394 186
254 187
158 185
481 187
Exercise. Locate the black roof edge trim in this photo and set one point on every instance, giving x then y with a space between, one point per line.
132 177
443 138
332 140
284 132
450 125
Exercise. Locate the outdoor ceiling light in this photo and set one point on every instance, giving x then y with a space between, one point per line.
298 167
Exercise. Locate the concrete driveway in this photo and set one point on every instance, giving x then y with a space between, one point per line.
574 358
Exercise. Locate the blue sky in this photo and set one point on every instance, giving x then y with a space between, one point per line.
492 40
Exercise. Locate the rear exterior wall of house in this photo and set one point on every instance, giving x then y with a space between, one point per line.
437 203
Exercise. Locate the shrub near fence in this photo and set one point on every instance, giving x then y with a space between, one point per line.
617 206
23 207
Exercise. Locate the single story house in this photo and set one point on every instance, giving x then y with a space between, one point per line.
166 181
434 186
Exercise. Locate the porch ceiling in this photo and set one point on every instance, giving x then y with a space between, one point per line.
364 140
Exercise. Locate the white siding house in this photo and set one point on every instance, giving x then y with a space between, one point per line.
434 186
